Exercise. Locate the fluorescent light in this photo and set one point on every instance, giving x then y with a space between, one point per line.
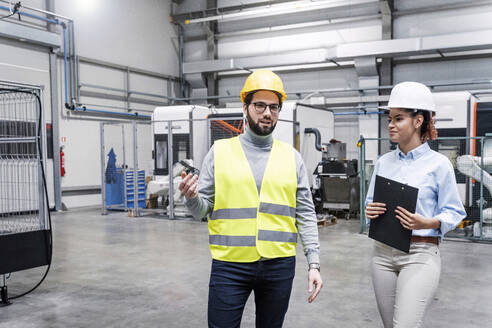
336 23
290 67
280 9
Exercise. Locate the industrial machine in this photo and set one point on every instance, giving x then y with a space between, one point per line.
194 129
337 183
462 115
472 166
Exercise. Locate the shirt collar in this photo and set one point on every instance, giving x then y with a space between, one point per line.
414 153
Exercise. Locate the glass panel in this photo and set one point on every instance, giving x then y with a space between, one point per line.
161 154
182 149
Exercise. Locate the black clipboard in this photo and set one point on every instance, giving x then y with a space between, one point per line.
387 228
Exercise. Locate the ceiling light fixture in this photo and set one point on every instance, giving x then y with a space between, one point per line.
280 9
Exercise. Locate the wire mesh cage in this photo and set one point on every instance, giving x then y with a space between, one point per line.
472 174
25 232
223 127
20 192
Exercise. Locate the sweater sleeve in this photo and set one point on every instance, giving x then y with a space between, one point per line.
306 220
203 204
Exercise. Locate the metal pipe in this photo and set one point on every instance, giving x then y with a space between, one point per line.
362 156
337 90
316 132
103 180
438 138
124 166
84 109
170 168
150 95
96 86
127 88
481 186
70 63
42 11
343 90
124 147
74 61
65 63
119 107
136 207
18 140
123 68
358 113
181 60
23 13
73 68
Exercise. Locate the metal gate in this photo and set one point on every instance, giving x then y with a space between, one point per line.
25 231
123 184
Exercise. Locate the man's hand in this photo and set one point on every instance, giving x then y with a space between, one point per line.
314 280
189 185
374 210
414 221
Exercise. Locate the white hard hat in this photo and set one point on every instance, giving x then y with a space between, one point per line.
411 95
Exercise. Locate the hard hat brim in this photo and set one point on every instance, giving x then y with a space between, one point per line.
389 108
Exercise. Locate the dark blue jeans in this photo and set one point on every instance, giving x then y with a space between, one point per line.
231 284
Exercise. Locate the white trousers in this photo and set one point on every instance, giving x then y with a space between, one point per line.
405 284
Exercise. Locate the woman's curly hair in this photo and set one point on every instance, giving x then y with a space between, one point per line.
428 129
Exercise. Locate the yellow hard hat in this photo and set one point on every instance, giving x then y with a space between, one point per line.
263 79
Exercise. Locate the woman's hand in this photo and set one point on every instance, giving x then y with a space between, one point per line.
414 221
374 210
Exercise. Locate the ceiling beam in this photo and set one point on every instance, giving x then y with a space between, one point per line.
453 6
380 49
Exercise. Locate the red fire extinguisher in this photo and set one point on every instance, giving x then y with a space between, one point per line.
62 162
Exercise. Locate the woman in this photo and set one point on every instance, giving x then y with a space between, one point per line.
404 284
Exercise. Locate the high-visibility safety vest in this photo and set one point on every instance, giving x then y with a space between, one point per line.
245 226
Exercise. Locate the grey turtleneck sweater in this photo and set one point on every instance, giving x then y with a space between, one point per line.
257 150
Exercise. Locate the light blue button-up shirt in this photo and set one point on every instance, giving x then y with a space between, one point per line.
433 174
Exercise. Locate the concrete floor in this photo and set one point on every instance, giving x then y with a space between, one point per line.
117 271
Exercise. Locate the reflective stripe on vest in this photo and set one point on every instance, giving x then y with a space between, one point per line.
234 213
245 225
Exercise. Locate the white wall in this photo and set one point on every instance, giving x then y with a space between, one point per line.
124 32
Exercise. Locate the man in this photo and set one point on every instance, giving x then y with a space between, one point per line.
257 192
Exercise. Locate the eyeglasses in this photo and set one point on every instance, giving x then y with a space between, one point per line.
260 107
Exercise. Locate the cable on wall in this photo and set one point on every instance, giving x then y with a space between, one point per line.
14 11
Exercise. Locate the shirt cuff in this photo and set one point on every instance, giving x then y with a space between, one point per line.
446 226
191 203
313 257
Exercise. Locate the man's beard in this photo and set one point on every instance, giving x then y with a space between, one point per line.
256 128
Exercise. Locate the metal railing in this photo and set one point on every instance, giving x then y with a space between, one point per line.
472 175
